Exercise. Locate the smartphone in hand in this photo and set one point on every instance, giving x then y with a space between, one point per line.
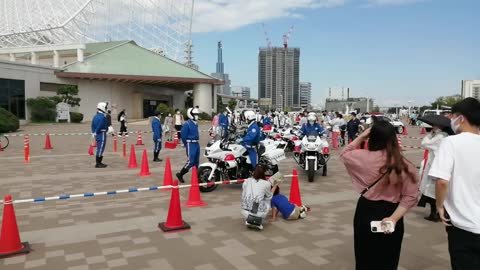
382 226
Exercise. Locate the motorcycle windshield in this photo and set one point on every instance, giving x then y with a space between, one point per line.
312 136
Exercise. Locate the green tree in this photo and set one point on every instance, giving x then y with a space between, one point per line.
376 108
232 104
189 100
447 101
164 109
67 94
220 106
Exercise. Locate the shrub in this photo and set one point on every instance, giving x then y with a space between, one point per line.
42 109
164 109
205 116
8 121
76 117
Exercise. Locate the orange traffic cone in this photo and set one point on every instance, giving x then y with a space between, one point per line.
423 131
115 143
145 171
90 149
174 219
10 244
194 199
167 176
425 159
405 131
399 140
175 138
139 138
170 145
48 145
295 196
94 143
124 147
132 163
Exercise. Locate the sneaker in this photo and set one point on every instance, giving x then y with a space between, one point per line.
252 226
303 214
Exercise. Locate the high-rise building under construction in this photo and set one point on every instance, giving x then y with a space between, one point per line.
278 77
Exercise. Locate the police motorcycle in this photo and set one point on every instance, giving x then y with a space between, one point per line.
312 153
228 160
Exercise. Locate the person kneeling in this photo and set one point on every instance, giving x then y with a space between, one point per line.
289 210
256 198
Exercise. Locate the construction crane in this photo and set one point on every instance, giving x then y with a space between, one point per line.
286 37
267 38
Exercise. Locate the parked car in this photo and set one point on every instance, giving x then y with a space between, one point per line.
399 126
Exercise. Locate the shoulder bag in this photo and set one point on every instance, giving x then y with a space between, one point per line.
374 183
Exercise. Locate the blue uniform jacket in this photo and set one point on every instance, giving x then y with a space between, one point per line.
253 135
307 128
189 131
223 121
99 123
156 129
266 121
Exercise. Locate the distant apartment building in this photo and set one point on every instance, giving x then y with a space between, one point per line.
241 91
278 77
471 88
360 105
306 95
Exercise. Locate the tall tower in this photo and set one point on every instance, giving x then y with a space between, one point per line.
220 73
219 58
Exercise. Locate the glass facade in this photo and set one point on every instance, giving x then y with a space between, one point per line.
12 96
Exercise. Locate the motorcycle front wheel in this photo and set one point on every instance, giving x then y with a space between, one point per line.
203 174
311 170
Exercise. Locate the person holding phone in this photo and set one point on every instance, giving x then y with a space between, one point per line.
388 186
256 197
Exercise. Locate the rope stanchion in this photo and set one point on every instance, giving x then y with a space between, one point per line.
73 134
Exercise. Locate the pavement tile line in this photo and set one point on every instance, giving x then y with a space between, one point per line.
114 192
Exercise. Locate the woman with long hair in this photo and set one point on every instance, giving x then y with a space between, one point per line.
388 186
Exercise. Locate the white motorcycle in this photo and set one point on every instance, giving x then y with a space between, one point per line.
229 161
312 153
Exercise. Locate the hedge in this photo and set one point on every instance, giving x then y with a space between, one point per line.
42 109
8 121
76 117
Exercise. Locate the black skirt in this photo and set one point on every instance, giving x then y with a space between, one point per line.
376 250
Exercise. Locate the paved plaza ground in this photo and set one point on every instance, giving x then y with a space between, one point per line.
120 231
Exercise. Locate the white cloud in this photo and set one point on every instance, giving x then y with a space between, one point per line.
225 15
391 2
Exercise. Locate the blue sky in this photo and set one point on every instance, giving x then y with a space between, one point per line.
391 50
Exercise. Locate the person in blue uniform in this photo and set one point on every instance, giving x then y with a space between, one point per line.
267 120
252 138
190 137
157 136
99 132
312 125
223 124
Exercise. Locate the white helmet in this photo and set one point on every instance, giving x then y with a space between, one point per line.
193 113
102 106
249 115
311 118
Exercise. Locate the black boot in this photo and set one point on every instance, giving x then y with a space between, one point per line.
155 157
434 216
180 175
99 163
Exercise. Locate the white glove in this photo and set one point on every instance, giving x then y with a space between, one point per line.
110 129
238 141
93 135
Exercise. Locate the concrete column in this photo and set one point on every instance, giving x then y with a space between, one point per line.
202 97
33 58
12 57
56 59
80 55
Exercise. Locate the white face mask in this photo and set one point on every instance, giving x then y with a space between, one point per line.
453 124
178 112
195 118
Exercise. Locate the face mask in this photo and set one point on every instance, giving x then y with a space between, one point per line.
454 126
195 117
311 122
178 112
169 114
